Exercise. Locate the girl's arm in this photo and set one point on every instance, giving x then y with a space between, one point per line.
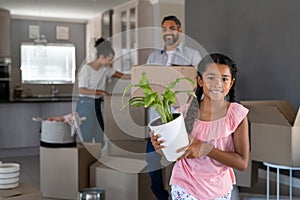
240 157
157 144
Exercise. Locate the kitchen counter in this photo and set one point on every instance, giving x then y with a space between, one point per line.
18 130
52 99
40 99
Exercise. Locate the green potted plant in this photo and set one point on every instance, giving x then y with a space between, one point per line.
169 125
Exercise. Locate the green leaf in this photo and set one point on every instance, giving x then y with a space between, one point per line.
127 88
137 104
170 96
173 83
149 99
132 101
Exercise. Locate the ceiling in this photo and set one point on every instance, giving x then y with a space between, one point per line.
59 9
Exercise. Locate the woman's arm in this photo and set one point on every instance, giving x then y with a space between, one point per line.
121 75
240 157
92 92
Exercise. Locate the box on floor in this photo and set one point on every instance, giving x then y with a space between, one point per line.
64 171
123 178
275 132
22 192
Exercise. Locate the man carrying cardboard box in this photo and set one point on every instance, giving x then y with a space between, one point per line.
173 54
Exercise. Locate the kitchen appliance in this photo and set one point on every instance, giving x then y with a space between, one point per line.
5 76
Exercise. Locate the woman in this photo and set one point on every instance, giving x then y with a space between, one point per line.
92 80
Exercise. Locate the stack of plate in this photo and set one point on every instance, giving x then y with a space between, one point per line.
9 175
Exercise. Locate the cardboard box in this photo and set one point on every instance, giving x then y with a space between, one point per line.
64 171
275 132
121 178
125 178
161 76
95 149
127 124
22 192
127 148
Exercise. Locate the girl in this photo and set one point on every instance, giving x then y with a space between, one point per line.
92 80
218 130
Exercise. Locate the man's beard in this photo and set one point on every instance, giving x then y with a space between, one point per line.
170 41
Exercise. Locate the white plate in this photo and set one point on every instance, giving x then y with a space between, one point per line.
9 175
9 186
9 181
9 167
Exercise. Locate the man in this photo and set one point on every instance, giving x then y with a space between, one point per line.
174 53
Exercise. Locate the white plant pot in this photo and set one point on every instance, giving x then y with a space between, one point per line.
174 133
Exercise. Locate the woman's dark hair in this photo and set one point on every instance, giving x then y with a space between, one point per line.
104 47
215 58
172 18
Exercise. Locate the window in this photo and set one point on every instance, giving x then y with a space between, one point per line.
48 63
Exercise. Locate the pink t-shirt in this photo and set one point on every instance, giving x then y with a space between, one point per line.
204 177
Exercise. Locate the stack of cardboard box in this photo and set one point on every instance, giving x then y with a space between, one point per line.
64 171
121 173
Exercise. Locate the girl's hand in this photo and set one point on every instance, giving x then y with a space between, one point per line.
195 149
156 142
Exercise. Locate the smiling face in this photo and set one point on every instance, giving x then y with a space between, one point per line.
216 81
170 32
